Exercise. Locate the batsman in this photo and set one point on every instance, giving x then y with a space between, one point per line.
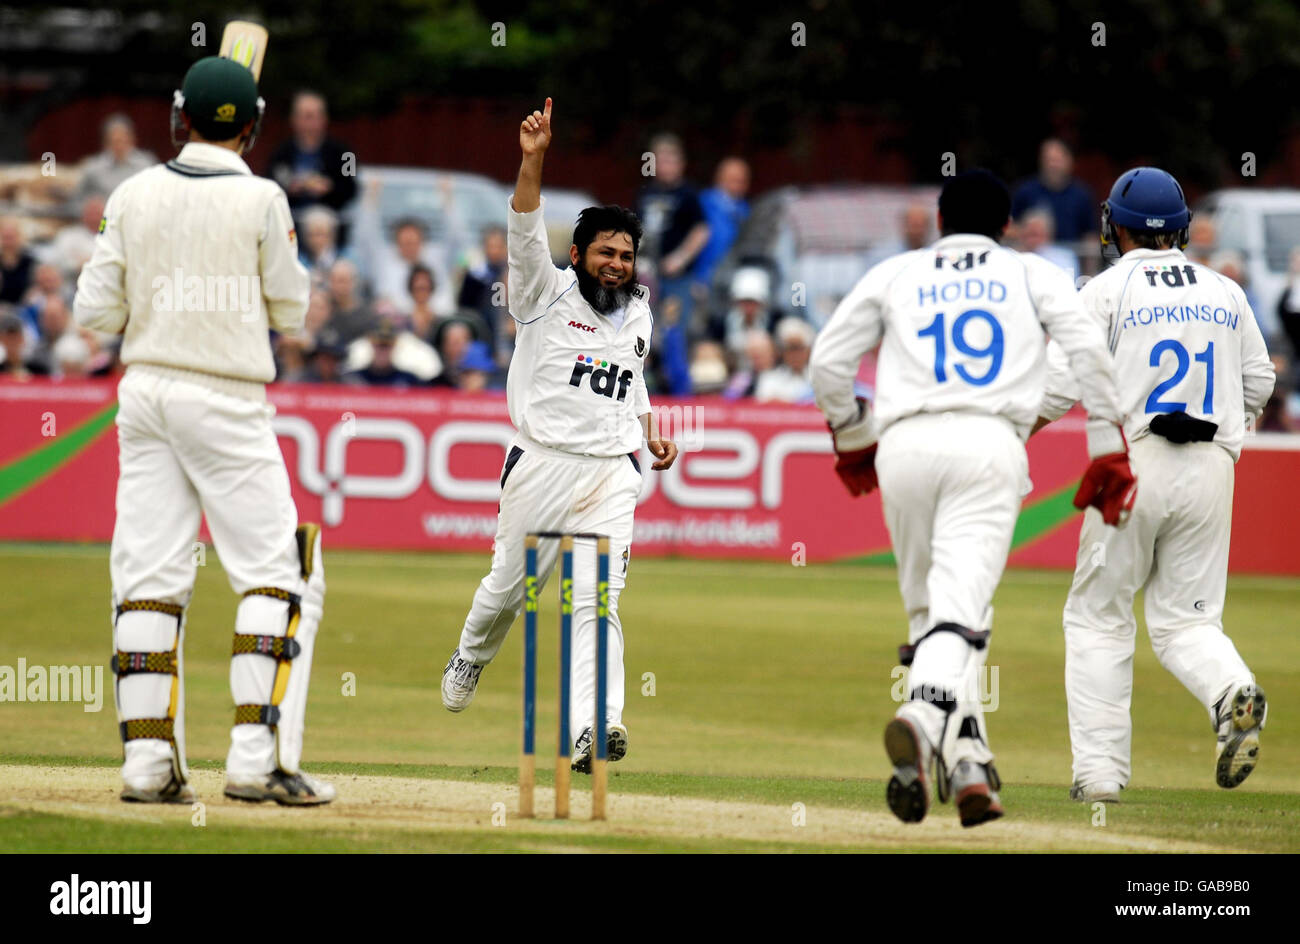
578 400
195 259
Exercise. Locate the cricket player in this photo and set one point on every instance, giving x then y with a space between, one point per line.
1193 367
960 326
193 262
578 400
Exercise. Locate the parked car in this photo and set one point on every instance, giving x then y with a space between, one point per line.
455 207
1264 226
817 242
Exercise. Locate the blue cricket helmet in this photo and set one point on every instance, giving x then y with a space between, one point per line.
1145 200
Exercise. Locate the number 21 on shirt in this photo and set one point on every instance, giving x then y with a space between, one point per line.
1154 402
992 351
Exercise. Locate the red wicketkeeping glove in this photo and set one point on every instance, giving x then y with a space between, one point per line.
857 469
1109 484
855 453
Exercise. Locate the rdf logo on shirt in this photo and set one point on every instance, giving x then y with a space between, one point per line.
602 376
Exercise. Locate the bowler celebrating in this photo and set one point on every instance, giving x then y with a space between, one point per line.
579 403
960 326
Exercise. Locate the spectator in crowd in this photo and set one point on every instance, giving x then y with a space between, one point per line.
318 313
1202 240
454 337
327 356
674 228
759 357
1232 265
17 264
54 322
1035 235
71 356
483 288
13 341
1275 417
47 284
119 159
391 265
1288 312
313 169
915 231
477 369
751 298
350 315
319 247
424 320
72 245
790 381
381 371
411 352
1071 203
725 210
708 367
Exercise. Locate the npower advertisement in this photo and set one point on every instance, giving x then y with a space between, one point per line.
420 470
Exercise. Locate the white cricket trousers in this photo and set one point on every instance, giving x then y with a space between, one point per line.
951 486
187 449
1175 547
546 490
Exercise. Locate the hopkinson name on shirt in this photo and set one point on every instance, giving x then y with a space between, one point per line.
1157 313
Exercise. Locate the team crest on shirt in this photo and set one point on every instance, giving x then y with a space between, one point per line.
640 347
103 223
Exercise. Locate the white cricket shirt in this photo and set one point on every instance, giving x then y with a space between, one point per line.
960 326
195 259
1183 338
575 381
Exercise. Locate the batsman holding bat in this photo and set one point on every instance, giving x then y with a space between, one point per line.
960 326
194 434
578 400
1193 368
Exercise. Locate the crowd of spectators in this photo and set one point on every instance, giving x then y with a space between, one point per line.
395 309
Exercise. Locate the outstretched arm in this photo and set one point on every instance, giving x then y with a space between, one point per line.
534 139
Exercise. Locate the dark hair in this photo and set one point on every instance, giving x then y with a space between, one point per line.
421 270
610 218
1152 240
975 201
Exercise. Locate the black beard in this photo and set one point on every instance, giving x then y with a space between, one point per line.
604 300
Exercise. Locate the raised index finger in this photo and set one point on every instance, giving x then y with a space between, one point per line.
546 109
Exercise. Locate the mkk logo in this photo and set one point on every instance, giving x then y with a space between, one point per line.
579 324
604 377
1172 276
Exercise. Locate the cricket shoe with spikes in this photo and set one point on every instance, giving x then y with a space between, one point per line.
459 681
171 791
1241 715
908 793
973 790
298 789
615 747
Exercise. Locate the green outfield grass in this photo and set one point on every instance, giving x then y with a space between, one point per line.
770 682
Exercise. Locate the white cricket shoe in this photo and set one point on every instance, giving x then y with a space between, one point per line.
908 793
1102 791
973 788
1241 715
459 680
615 747
157 790
298 789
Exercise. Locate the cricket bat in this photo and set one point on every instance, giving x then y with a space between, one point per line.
245 43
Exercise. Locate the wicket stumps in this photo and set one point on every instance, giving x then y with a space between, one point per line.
599 747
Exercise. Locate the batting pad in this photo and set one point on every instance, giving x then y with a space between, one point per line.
148 640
